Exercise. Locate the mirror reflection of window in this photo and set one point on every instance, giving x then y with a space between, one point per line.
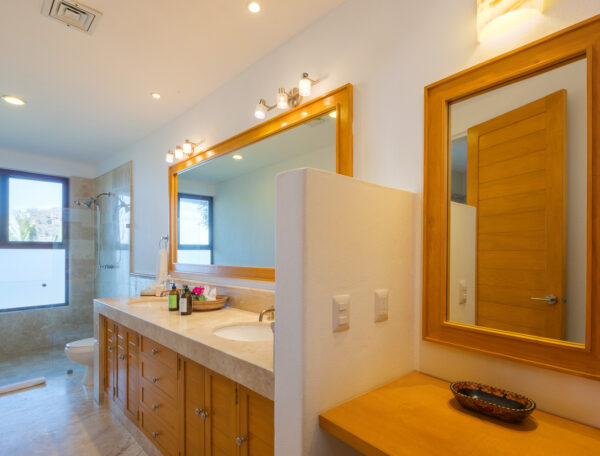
517 210
195 228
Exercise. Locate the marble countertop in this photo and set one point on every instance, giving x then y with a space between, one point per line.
248 363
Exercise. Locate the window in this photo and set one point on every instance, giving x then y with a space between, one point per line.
194 235
33 240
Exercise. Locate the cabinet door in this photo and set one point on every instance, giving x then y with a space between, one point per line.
121 368
109 357
255 423
221 423
195 413
132 376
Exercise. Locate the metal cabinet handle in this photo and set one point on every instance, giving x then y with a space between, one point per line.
154 351
122 357
154 379
154 434
154 407
109 348
550 299
240 440
198 411
204 415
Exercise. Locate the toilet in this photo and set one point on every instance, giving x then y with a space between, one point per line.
82 352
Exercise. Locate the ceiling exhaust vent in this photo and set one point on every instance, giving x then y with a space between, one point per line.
73 14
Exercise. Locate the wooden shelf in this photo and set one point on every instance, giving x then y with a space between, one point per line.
418 415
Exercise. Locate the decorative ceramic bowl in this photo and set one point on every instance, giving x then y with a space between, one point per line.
492 401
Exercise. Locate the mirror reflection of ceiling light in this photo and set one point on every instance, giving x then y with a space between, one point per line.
238 157
155 95
11 99
286 99
254 7
497 17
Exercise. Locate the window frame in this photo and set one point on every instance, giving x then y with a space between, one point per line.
5 244
210 246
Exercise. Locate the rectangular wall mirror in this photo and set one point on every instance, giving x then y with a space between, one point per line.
511 205
223 200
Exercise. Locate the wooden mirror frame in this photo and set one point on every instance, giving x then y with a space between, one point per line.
340 99
573 43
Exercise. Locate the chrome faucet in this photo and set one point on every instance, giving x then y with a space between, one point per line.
266 310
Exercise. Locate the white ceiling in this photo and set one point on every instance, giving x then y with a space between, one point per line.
88 96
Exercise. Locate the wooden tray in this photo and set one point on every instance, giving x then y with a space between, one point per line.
219 303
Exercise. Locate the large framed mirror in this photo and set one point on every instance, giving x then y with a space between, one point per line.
512 209
222 200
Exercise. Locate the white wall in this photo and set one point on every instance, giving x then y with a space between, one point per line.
463 253
337 235
22 161
389 50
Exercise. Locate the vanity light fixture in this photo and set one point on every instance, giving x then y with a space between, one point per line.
184 151
238 157
189 147
170 157
286 99
495 17
254 7
11 99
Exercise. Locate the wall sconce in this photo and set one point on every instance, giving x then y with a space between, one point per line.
495 17
287 99
182 151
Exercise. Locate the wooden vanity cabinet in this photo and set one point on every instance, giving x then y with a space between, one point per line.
184 408
223 417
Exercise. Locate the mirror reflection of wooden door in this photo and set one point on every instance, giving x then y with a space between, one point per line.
516 178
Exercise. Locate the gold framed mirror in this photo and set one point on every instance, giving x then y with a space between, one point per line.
512 205
220 207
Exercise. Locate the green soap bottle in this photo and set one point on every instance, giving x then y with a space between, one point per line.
173 298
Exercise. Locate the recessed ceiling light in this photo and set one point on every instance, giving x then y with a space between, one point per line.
11 99
155 95
254 7
333 114
238 157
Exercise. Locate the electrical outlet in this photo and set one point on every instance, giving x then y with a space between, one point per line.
341 312
462 292
381 304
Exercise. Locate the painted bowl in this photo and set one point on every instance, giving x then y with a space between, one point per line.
495 402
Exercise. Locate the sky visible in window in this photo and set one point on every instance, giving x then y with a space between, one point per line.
28 194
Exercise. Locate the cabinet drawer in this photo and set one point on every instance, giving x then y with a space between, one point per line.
159 352
158 405
158 433
162 377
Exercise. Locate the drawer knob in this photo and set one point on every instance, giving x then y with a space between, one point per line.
121 357
198 411
154 434
204 415
154 351
154 407
109 348
240 440
154 379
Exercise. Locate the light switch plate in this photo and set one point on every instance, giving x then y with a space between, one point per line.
381 304
341 312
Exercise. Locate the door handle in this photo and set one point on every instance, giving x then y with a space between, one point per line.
550 299
240 440
154 379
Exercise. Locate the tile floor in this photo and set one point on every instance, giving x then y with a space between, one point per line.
60 418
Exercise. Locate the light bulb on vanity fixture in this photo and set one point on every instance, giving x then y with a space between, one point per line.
178 153
496 18
286 99
170 157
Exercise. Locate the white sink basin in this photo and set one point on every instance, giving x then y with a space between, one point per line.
246 332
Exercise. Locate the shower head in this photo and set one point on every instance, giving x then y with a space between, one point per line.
86 203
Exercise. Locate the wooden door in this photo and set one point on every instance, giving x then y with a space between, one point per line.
132 376
256 416
109 357
516 177
121 368
194 409
221 423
